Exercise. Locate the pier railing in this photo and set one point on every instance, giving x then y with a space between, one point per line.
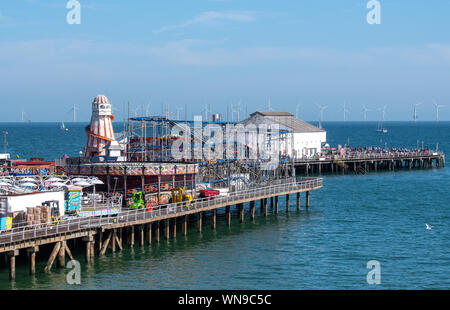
387 156
79 224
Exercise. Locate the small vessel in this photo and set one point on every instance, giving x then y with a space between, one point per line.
63 127
382 130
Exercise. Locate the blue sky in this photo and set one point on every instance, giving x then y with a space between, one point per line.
220 52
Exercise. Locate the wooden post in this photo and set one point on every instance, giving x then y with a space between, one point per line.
213 219
298 201
287 202
61 255
52 256
113 241
265 206
166 229
184 225
241 212
131 236
100 240
276 204
105 244
68 252
149 240
157 224
119 240
271 202
228 215
199 221
252 210
12 264
92 251
141 231
307 200
88 252
32 251
174 231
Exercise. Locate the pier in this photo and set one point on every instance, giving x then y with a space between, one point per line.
98 235
364 163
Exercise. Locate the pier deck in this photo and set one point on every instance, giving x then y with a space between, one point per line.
364 163
92 228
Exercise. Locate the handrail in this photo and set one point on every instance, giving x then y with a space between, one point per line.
389 156
77 224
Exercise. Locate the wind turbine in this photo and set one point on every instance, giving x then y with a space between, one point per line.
22 115
73 110
415 111
383 112
365 110
345 111
237 110
269 106
321 109
437 106
297 109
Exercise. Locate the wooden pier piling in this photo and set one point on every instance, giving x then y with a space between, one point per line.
276 204
61 262
213 219
184 225
199 221
228 215
32 258
252 210
241 212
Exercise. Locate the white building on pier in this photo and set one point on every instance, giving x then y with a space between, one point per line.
300 139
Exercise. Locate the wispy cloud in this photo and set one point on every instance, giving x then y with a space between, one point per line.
210 17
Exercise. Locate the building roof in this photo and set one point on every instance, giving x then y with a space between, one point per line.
272 113
288 120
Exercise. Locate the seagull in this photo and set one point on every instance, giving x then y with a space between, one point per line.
428 226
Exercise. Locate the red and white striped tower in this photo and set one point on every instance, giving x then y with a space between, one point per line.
100 131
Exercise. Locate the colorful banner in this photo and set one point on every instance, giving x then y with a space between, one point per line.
134 171
181 169
116 170
167 169
151 170
191 169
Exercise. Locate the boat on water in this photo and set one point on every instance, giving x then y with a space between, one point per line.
63 127
381 129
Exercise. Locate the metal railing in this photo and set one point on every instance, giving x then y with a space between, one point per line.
78 224
387 156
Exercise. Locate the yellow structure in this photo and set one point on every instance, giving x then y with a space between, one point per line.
178 195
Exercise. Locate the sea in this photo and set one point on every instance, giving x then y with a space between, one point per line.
352 220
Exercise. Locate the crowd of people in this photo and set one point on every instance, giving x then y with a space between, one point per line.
375 152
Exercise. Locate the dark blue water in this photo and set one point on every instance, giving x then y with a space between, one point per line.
353 219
